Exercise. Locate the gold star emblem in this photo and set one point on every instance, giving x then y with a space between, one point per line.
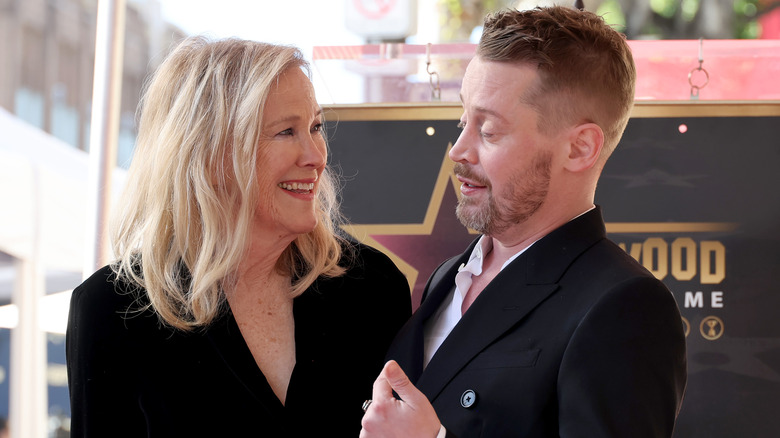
417 249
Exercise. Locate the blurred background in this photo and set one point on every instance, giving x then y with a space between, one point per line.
47 65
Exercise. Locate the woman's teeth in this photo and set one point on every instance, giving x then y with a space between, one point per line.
297 186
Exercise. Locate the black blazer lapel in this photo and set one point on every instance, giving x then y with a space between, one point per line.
512 295
225 336
497 309
408 347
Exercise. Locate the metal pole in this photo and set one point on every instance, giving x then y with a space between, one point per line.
106 95
27 388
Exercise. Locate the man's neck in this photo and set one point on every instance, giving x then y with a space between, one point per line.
514 240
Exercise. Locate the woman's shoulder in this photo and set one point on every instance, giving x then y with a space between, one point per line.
105 294
372 291
110 329
359 258
370 275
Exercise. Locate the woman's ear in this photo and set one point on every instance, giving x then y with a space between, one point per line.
585 144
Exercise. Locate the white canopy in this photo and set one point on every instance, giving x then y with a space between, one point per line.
44 199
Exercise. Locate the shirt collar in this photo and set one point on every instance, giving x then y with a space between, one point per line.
485 245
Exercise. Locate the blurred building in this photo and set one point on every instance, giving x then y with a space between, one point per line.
47 50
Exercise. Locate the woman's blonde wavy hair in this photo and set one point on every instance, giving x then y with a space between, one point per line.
192 188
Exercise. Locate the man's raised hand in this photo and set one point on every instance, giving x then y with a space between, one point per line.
388 417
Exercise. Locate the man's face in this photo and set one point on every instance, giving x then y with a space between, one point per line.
502 159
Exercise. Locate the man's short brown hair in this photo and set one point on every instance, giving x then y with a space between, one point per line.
586 70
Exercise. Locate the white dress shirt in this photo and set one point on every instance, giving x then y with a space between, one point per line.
439 326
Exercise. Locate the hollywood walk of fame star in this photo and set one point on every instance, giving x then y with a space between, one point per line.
417 249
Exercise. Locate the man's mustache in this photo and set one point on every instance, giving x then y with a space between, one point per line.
468 173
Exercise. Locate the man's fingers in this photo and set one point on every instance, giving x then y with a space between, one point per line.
388 417
382 389
400 383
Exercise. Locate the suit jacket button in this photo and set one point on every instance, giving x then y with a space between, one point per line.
468 398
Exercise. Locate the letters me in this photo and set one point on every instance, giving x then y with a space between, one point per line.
697 299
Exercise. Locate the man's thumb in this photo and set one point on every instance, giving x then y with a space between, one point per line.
399 382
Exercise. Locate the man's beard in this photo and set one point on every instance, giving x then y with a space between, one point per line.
527 191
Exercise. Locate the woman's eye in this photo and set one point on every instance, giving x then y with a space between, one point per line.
287 131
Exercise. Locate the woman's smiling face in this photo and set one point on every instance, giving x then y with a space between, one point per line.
292 156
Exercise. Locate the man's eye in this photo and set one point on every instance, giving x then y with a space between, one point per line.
317 128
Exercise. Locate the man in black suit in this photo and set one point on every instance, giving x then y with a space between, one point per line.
543 327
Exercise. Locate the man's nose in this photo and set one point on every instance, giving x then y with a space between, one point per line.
462 151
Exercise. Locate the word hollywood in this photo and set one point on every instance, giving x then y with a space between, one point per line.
679 258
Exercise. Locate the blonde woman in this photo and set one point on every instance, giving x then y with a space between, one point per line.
233 305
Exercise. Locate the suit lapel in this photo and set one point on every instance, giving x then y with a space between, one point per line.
407 349
515 292
504 302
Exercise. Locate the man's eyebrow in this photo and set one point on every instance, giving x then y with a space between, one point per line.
496 114
483 110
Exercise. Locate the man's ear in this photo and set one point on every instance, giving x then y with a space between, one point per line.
585 144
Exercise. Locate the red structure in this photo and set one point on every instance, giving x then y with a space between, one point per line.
730 70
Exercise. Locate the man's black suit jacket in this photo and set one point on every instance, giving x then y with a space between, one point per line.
574 338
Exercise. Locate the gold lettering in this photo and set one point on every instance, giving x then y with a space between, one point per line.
678 271
658 247
712 273
656 255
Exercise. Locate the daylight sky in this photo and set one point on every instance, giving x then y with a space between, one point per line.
303 23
